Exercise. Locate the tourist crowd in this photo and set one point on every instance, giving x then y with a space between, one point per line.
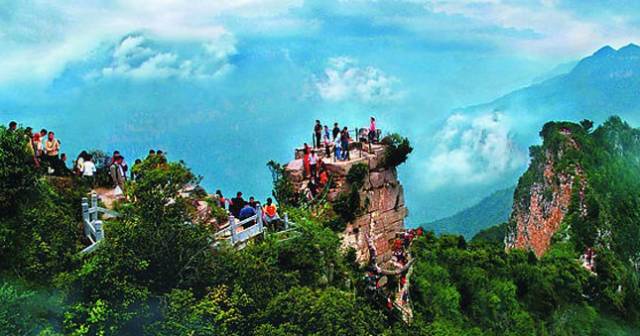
242 209
315 169
45 149
339 138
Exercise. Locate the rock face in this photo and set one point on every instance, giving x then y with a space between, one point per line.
382 196
544 194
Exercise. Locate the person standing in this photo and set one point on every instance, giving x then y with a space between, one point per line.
306 162
326 141
88 170
313 163
237 203
117 176
336 131
43 139
78 167
37 146
344 143
220 200
13 126
123 164
372 130
134 175
52 149
326 135
317 129
30 146
338 149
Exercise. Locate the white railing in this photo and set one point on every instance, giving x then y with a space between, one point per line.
92 223
234 237
231 234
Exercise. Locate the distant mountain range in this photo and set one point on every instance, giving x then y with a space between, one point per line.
603 84
491 210
596 87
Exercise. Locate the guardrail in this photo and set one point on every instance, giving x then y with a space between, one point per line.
358 134
92 223
231 234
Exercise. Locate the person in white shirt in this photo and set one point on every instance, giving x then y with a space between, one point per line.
89 170
313 162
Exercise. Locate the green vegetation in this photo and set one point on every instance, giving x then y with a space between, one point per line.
157 274
348 204
490 211
494 234
397 150
283 190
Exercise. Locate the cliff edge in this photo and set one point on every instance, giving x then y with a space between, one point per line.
380 199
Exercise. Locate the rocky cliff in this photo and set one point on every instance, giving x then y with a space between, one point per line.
381 198
545 192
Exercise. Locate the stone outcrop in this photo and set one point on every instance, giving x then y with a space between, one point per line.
543 197
382 196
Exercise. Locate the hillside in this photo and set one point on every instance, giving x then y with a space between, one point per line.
603 84
491 210
582 186
156 271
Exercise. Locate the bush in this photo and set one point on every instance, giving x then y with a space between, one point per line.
18 174
397 151
348 204
357 174
218 213
283 190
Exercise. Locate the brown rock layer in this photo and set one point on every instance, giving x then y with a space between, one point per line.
537 216
382 192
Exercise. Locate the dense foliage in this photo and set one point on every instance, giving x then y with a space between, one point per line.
283 190
348 203
397 150
157 273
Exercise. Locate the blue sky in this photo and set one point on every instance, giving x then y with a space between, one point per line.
229 85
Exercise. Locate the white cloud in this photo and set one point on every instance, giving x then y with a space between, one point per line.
472 150
554 30
39 39
134 57
344 79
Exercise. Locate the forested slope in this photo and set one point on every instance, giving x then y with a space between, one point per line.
157 274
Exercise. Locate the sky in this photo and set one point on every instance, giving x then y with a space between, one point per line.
229 85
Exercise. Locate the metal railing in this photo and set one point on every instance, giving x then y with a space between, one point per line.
358 134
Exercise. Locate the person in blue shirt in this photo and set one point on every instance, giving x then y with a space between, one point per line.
247 211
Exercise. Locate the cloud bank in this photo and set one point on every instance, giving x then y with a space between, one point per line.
344 79
135 57
471 150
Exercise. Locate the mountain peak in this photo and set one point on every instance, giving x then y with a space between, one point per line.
629 49
605 51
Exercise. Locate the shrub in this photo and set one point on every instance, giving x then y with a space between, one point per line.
348 204
18 175
357 174
218 213
397 151
283 190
